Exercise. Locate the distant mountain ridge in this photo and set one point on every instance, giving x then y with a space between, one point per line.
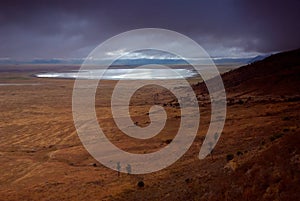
132 62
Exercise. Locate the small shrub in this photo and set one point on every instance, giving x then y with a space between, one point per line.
286 130
168 141
229 157
268 114
240 102
239 153
188 180
140 184
276 136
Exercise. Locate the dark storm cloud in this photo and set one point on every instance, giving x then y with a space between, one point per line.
47 29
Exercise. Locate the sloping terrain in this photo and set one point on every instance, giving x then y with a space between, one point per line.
277 75
256 158
262 135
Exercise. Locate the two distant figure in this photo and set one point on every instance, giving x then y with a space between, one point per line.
128 168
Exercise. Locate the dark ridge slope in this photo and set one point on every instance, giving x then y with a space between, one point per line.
278 74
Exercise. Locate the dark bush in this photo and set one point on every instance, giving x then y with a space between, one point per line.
240 102
168 141
140 184
239 153
188 180
229 157
276 136
286 130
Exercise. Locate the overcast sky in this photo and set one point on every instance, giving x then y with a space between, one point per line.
71 29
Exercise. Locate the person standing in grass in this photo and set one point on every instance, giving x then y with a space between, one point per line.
128 168
118 168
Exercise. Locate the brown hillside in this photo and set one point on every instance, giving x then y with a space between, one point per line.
42 157
278 75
